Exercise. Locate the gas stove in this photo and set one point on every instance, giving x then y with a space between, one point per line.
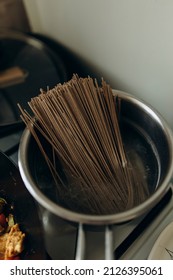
132 240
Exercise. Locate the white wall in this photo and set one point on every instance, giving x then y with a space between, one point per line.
130 41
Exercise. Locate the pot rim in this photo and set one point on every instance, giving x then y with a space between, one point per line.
116 218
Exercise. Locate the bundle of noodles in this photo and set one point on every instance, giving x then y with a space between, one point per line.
79 119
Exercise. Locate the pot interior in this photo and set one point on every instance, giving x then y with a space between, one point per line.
147 142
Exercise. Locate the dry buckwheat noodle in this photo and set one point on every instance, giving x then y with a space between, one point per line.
79 119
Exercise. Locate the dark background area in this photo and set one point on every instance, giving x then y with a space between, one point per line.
13 15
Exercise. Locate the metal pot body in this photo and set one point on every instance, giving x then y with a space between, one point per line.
146 135
59 235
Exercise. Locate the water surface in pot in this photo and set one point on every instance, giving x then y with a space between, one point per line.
148 144
140 150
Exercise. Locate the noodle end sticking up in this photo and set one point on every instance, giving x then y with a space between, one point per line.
80 121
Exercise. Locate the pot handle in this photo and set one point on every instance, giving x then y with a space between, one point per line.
81 242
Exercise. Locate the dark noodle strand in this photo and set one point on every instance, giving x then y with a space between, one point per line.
80 121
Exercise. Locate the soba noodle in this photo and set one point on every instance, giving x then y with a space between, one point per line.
80 120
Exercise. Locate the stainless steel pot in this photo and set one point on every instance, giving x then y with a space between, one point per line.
146 137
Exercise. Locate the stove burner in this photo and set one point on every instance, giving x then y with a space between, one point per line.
139 229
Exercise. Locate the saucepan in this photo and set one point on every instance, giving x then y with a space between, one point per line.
147 136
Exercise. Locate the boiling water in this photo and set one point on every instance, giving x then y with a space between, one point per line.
139 148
